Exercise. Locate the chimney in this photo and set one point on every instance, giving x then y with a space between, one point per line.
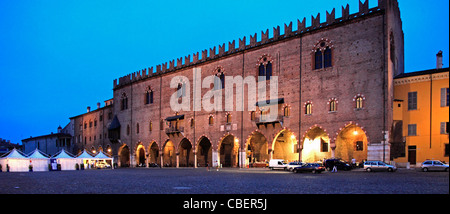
98 105
88 109
439 60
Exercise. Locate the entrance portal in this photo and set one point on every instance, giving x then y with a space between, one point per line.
124 156
185 153
257 151
316 145
169 155
285 146
140 155
351 143
229 151
204 152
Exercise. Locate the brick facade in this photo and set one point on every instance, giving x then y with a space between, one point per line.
366 53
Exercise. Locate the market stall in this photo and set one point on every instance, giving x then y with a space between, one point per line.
39 161
86 159
102 160
66 160
15 161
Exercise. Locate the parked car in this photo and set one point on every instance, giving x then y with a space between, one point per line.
434 165
310 167
340 164
370 166
103 165
153 165
277 164
294 164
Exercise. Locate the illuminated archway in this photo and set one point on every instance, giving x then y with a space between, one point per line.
169 156
257 148
284 146
124 156
316 145
154 153
351 142
228 151
140 155
204 152
186 153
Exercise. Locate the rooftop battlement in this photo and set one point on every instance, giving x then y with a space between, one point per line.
212 54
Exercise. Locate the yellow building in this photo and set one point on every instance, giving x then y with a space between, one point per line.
421 116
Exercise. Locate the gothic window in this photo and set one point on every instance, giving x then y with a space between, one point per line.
286 111
332 104
181 90
150 126
253 115
124 102
137 128
219 83
149 96
228 118
265 67
211 120
359 101
323 54
308 108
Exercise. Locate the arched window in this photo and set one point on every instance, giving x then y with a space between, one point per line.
265 67
192 123
128 129
211 120
253 115
124 102
327 58
150 126
318 59
359 101
149 96
323 54
228 118
286 111
219 83
308 108
137 128
269 71
333 106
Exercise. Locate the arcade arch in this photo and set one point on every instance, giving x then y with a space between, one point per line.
351 142
204 152
228 151
316 145
284 146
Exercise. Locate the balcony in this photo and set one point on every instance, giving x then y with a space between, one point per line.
264 121
174 130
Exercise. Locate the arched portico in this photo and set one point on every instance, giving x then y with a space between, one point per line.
351 142
284 146
204 152
257 151
228 151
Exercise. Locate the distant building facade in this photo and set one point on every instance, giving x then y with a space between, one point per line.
51 143
421 115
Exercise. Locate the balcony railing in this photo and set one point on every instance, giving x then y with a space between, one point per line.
264 120
174 130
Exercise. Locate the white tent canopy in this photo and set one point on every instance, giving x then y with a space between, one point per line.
39 161
86 159
66 160
16 160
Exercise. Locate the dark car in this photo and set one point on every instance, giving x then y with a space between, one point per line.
153 165
310 167
340 164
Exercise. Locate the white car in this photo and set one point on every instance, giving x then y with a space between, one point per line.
370 166
277 164
294 164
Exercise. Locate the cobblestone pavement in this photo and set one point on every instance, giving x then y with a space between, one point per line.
224 181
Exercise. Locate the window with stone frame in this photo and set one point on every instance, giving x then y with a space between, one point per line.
322 54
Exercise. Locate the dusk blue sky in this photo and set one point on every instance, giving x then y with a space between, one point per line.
58 57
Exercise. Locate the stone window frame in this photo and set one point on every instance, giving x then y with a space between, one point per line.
322 45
